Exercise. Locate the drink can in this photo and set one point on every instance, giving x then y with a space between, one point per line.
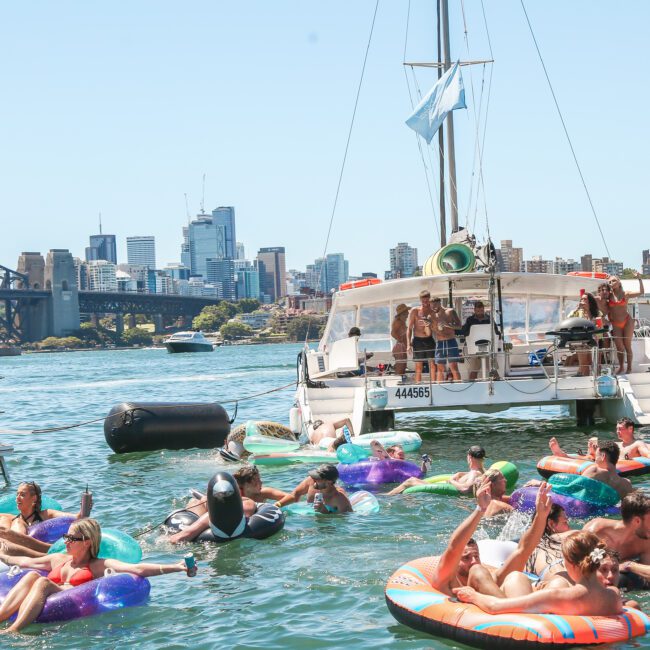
86 503
318 498
189 560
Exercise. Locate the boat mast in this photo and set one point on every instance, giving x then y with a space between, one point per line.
451 152
441 149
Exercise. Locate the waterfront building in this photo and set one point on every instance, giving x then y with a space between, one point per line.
587 263
177 271
211 237
222 271
403 261
141 251
510 258
538 265
272 270
102 247
248 282
257 320
102 276
125 282
562 266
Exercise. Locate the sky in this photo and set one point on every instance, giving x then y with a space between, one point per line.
121 107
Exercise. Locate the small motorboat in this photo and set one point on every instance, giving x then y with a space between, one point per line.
188 342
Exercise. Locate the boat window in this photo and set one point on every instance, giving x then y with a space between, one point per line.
374 323
514 319
543 316
341 323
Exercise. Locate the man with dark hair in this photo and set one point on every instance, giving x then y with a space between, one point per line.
321 480
604 468
419 335
479 317
630 537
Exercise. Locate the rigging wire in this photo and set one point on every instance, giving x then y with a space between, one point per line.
345 154
566 132
417 139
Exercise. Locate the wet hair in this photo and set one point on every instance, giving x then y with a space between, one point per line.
472 542
611 450
636 504
88 529
246 474
593 305
425 294
393 448
476 451
582 550
553 517
613 553
34 489
626 422
493 475
338 441
327 472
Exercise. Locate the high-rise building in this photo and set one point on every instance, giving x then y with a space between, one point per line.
314 275
336 271
141 251
222 271
102 247
272 269
186 259
224 220
211 237
248 282
562 266
101 276
240 253
538 265
510 259
403 261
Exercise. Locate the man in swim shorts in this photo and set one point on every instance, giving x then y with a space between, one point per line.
419 335
320 429
445 322
320 480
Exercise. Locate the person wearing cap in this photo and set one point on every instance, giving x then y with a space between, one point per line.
320 480
479 317
462 481
398 331
419 337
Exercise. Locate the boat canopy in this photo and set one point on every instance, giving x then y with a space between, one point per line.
533 303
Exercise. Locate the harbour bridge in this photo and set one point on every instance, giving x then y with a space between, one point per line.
44 301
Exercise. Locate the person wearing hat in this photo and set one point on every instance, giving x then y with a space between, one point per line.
321 480
419 337
398 331
462 481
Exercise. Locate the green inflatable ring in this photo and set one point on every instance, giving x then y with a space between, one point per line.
584 489
439 484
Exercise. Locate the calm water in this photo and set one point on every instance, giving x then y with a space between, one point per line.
318 583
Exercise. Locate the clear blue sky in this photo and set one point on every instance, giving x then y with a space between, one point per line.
121 107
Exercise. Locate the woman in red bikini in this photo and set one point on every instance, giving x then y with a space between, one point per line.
622 322
79 564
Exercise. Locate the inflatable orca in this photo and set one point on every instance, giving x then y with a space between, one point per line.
226 514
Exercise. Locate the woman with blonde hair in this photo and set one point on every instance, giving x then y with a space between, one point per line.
583 595
79 564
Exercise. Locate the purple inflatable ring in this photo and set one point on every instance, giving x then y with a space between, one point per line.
373 472
94 597
50 530
524 499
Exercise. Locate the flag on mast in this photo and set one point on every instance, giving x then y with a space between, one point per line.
447 95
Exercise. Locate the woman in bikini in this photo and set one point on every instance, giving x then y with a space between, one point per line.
547 559
583 594
622 322
587 308
79 564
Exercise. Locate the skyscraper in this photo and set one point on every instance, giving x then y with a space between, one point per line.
403 261
211 237
272 269
336 271
224 220
222 271
102 247
511 259
141 251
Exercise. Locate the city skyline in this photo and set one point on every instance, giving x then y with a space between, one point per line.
78 147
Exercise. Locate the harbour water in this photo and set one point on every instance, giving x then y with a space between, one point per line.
319 582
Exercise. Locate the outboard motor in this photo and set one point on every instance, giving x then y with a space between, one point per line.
576 330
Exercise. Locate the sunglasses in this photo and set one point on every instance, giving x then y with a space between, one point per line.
72 538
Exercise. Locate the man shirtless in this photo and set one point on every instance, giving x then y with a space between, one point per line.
460 564
445 322
419 335
320 429
500 500
322 479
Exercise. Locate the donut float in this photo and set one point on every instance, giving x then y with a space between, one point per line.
374 472
414 602
576 464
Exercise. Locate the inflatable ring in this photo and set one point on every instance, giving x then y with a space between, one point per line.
524 499
95 597
363 503
575 464
50 530
226 514
440 484
8 504
235 440
408 440
414 602
291 457
584 489
374 472
114 544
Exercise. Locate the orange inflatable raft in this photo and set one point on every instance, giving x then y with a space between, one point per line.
576 464
414 602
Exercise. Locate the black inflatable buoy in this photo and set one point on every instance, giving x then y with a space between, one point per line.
226 514
149 426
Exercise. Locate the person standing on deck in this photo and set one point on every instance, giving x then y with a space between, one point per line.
420 339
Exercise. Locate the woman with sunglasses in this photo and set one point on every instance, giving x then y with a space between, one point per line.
79 564
14 528
622 322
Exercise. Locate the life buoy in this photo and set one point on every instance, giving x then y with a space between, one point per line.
414 602
356 284
589 274
226 514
